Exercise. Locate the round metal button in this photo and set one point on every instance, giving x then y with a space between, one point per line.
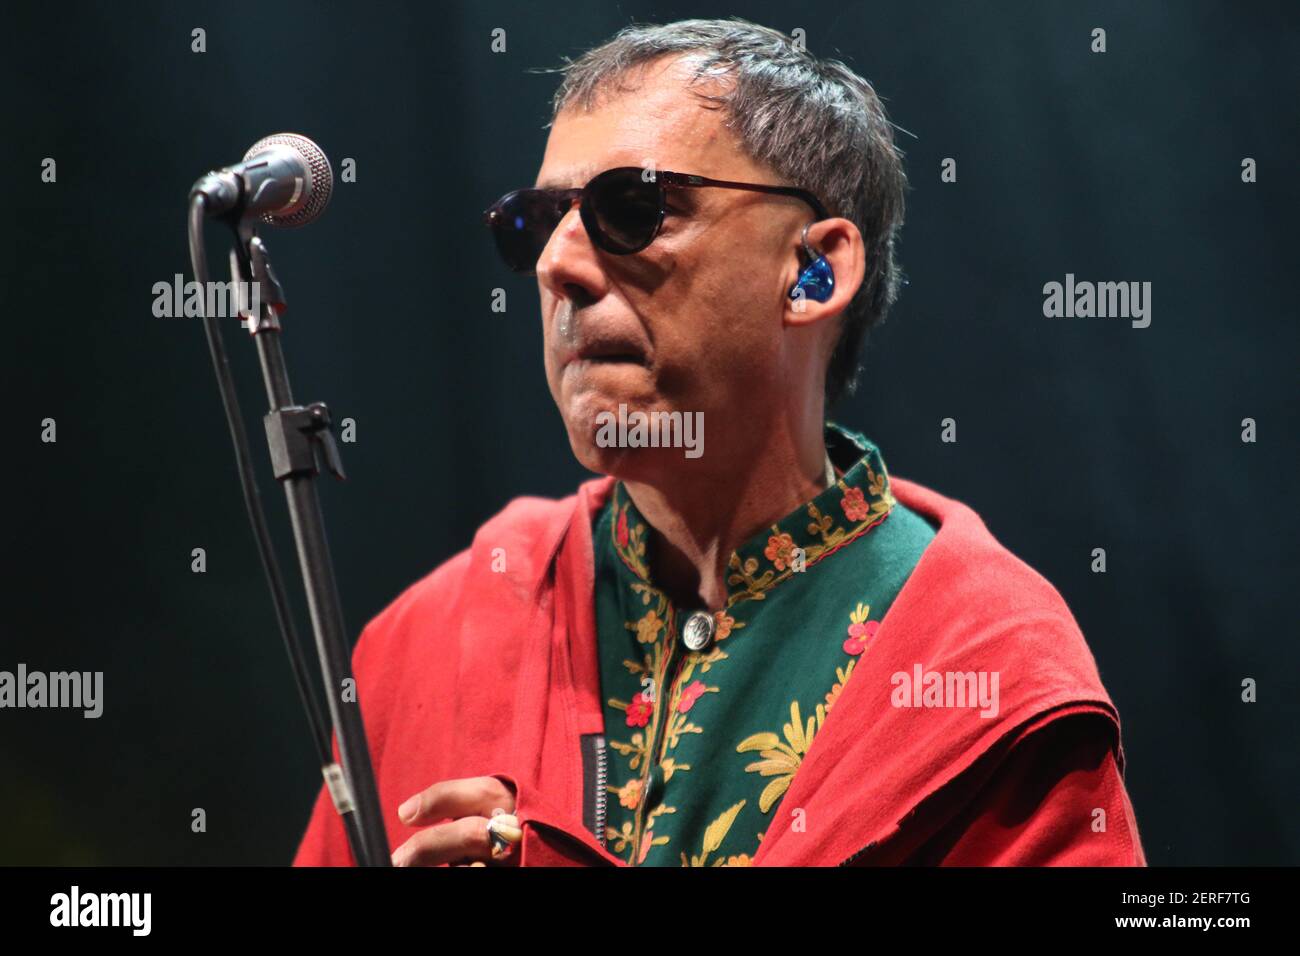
698 630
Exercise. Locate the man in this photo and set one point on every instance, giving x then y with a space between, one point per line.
747 644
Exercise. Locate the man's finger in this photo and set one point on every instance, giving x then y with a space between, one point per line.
460 840
449 799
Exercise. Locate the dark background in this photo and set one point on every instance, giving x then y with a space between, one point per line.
1073 433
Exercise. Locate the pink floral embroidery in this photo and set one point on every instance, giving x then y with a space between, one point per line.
861 630
630 795
778 551
639 711
855 505
690 694
620 531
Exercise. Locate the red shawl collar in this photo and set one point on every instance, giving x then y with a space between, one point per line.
479 670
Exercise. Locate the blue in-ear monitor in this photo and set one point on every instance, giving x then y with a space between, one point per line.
818 279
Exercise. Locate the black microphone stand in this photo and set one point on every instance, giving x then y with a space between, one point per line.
294 433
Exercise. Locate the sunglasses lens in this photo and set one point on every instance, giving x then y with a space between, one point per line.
522 223
621 211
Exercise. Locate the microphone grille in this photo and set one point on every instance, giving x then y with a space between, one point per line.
320 179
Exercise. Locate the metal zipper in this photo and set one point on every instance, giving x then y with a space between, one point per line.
601 796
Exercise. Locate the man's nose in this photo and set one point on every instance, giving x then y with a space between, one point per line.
570 266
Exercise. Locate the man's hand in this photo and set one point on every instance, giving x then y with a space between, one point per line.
467 804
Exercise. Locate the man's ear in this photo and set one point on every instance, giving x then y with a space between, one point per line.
839 242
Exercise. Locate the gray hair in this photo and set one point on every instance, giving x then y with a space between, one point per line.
814 122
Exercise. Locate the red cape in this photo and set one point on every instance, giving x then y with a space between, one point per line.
474 671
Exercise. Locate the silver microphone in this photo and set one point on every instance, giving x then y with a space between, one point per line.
285 180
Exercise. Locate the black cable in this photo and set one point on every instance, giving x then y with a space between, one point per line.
253 503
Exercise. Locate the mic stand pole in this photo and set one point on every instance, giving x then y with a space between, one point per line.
294 434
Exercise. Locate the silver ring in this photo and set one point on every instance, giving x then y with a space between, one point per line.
504 833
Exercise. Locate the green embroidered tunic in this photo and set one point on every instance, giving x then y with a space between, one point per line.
703 743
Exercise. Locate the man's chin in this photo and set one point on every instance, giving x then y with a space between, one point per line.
649 465
654 447
602 461
582 420
584 410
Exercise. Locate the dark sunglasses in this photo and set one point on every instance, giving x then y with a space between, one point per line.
621 211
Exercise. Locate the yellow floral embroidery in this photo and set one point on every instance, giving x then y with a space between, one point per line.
648 628
619 839
842 673
671 766
713 837
678 724
636 748
712 657
782 759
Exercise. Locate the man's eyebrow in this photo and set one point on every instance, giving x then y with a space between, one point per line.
571 179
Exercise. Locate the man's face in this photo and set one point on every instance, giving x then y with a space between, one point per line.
693 323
